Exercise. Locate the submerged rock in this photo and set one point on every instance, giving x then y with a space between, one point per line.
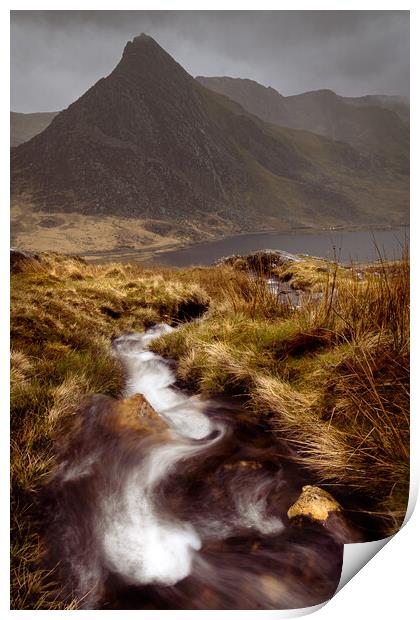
242 465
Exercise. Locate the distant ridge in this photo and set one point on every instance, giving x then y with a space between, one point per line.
377 122
23 127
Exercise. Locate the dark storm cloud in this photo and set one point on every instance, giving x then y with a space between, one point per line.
57 55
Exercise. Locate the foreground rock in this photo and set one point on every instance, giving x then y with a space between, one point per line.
314 503
315 506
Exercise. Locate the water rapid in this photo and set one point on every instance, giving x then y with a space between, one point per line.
172 501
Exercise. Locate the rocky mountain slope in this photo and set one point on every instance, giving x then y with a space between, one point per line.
151 145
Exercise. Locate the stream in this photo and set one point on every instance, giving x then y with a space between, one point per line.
187 510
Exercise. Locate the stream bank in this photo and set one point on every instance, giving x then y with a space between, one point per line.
289 376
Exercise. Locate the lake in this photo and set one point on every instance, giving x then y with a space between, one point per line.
345 245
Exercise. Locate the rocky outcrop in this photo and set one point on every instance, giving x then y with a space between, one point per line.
261 261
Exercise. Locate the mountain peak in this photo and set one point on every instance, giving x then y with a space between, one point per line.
143 53
148 143
140 43
143 37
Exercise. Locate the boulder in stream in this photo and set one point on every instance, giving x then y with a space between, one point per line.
314 503
135 414
316 508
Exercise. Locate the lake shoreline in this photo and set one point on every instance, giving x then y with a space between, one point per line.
354 245
150 256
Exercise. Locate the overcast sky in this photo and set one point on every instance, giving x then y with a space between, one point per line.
57 55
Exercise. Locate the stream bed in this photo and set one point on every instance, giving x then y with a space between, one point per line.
171 501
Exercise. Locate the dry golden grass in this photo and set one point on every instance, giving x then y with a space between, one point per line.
331 378
40 231
311 273
63 315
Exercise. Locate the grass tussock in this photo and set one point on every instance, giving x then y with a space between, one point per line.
312 273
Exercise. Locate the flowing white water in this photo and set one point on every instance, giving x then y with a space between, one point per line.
149 374
137 509
139 543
